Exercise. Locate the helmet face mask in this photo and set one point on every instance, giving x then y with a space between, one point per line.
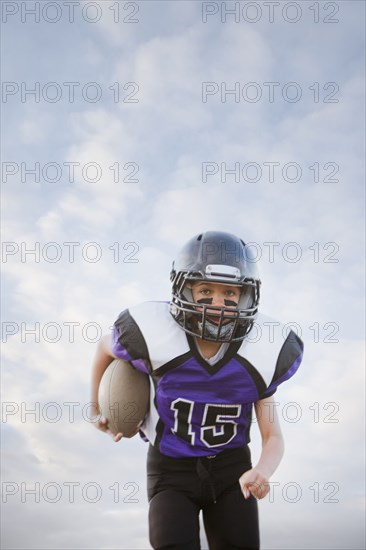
221 258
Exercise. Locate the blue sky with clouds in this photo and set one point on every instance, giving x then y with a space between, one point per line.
151 121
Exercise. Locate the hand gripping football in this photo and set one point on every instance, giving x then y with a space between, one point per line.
124 397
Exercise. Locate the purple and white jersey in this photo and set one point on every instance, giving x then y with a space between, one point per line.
198 409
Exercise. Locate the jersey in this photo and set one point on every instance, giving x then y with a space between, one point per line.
198 409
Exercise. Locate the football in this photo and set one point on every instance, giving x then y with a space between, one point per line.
124 394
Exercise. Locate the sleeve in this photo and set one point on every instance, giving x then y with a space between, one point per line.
128 342
288 362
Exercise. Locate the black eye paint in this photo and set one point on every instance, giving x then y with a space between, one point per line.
204 301
230 303
208 301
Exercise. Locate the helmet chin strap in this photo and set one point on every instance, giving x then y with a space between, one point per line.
212 330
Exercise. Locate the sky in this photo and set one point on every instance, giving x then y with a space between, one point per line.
127 128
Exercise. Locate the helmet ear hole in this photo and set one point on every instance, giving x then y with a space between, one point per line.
246 298
187 292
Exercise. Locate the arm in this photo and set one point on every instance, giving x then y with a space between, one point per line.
255 481
103 358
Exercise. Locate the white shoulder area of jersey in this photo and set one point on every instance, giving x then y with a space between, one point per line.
164 338
263 344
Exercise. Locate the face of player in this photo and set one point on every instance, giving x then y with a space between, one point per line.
216 294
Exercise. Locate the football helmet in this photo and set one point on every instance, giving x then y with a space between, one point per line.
215 257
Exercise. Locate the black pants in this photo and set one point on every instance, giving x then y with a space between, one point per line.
178 489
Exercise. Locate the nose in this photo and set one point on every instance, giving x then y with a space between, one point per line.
218 299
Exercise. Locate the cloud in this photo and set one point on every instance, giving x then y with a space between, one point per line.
117 239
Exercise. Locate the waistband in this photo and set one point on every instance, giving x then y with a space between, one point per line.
157 461
215 472
242 453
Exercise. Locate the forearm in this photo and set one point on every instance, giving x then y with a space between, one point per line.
271 455
255 481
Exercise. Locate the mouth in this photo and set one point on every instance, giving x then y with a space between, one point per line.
214 320
217 320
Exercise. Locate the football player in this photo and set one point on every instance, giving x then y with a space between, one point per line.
207 374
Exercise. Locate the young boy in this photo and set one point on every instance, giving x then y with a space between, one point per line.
206 374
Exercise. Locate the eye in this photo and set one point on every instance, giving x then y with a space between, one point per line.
231 293
205 291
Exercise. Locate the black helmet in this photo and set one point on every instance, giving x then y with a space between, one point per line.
215 257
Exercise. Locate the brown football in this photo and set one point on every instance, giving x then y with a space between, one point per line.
124 394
